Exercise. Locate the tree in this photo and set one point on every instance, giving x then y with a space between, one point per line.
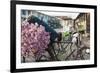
34 39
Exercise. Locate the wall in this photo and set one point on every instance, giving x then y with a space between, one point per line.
81 22
5 35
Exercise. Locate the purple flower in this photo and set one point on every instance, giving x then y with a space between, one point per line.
34 39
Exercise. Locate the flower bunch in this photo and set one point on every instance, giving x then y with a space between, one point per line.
34 39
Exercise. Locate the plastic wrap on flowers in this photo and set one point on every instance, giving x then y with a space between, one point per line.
34 39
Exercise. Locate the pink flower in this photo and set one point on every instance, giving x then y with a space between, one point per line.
34 39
